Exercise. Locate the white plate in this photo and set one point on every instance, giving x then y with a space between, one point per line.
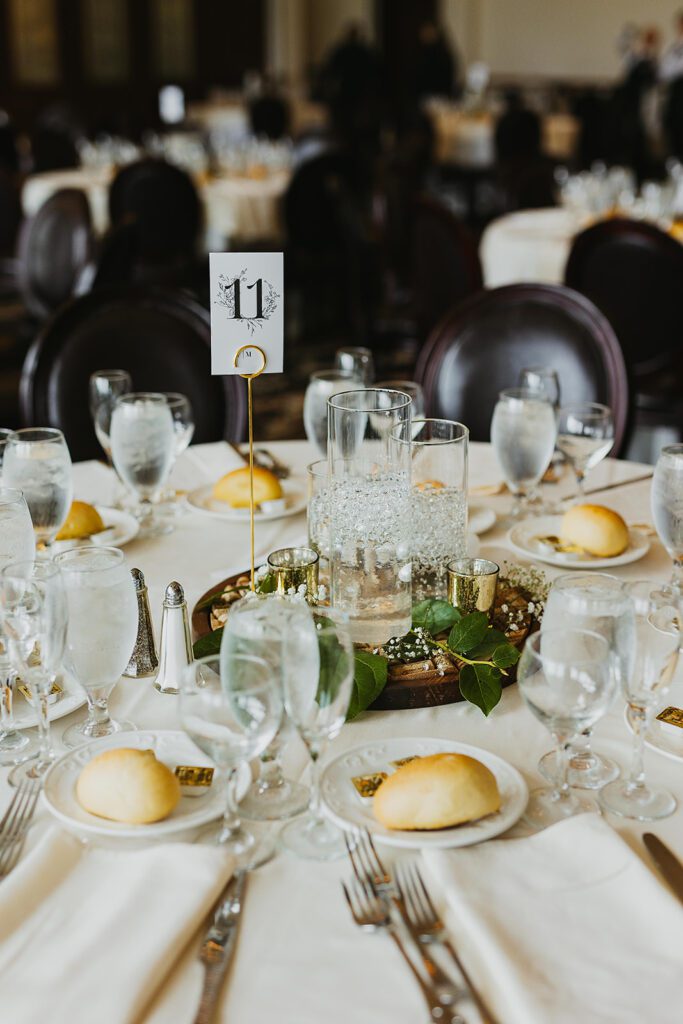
522 538
171 747
72 699
480 519
293 491
122 527
661 738
348 810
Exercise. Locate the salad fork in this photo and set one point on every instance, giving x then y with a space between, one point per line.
14 825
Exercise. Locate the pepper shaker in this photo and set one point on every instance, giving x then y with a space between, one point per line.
176 644
143 660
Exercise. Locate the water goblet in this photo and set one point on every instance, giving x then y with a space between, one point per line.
102 626
666 500
105 388
143 444
585 435
33 613
318 705
230 706
656 657
414 391
37 462
280 631
321 386
598 602
523 433
544 380
565 678
358 361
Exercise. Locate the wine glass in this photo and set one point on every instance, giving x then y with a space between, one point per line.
143 445
657 648
598 602
414 391
523 432
667 507
33 613
358 361
105 388
542 379
321 386
280 631
230 706
37 462
318 705
102 626
17 543
4 435
565 678
585 435
183 419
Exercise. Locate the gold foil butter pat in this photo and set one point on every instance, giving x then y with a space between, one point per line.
54 695
194 780
671 716
367 785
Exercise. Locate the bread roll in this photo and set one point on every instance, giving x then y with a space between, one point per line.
596 529
233 488
82 521
436 792
128 785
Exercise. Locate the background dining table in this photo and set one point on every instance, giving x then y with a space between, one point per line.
300 958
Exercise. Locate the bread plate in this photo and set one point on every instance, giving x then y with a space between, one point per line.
294 500
72 698
347 809
664 739
172 747
523 538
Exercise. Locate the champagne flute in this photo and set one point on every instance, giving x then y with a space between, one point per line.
523 433
37 462
667 508
585 435
657 648
358 361
322 386
34 619
230 706
143 444
565 678
102 627
105 388
318 705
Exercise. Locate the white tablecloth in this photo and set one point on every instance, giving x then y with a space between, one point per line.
530 245
300 959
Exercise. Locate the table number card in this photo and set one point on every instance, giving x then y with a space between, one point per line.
247 305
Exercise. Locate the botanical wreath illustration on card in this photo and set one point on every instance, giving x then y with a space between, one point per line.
241 297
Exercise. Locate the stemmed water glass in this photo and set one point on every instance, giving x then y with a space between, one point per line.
33 613
143 445
523 433
414 391
565 678
542 379
230 706
656 657
183 426
105 388
667 507
321 386
359 362
102 626
600 603
318 705
37 462
279 630
585 435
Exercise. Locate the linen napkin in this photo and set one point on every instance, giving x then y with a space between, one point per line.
567 925
91 933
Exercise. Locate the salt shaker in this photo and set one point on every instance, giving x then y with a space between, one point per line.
176 644
143 660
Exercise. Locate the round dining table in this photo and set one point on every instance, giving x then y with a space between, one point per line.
300 959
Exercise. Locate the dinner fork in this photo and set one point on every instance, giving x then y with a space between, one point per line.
430 927
14 825
371 913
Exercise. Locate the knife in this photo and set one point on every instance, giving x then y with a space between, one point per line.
218 946
668 864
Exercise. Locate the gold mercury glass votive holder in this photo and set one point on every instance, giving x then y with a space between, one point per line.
293 568
472 584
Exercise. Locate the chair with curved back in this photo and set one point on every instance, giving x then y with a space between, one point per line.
53 248
480 347
162 338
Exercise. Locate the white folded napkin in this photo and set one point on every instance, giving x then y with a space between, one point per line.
565 926
90 934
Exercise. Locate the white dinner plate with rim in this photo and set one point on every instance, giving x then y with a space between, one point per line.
522 538
121 528
294 492
348 810
659 737
72 699
480 519
170 746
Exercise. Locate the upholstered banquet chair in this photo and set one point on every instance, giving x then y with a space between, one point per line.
481 345
160 337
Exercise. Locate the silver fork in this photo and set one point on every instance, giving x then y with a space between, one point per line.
430 927
371 913
14 825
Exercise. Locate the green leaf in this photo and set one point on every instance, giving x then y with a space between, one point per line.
480 685
483 651
435 615
334 665
468 633
209 644
505 656
267 584
370 678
